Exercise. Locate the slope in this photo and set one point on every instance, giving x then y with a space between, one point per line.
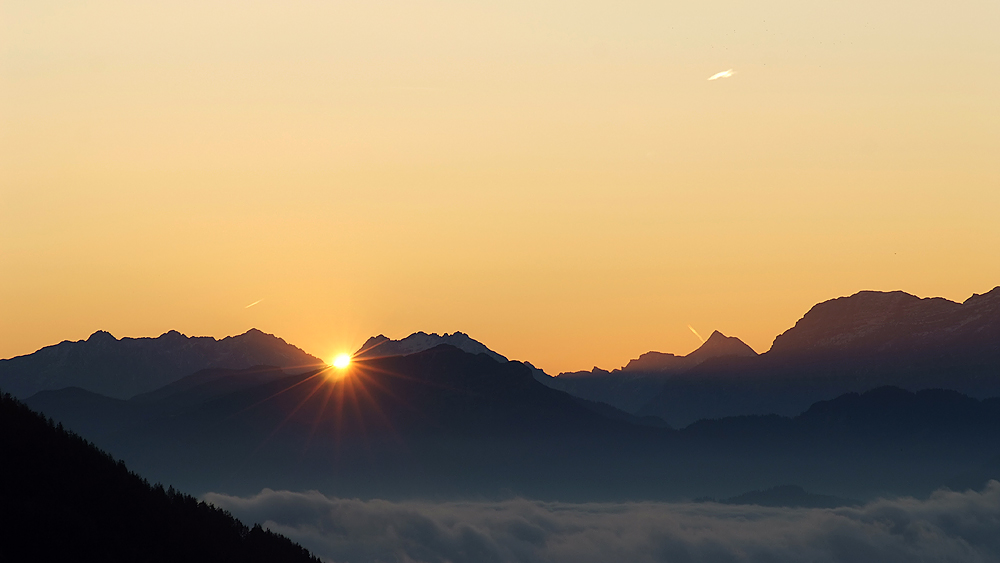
64 500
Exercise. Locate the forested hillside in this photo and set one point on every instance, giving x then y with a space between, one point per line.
65 500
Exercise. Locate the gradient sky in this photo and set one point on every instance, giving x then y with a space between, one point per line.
558 179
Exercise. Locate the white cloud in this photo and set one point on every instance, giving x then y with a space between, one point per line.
948 526
723 74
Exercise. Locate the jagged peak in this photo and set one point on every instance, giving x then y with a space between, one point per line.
719 345
173 334
419 341
101 336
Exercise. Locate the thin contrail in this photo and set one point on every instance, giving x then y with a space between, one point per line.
723 74
696 334
252 304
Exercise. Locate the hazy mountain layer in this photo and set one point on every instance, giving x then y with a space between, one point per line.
381 346
631 387
447 423
125 367
851 344
791 496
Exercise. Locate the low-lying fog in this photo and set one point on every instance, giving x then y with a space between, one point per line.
947 526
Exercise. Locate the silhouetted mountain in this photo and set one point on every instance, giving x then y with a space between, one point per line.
209 383
631 387
125 367
443 422
64 500
719 345
435 416
895 323
851 344
381 346
791 496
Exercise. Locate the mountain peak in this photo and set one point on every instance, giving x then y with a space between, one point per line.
869 320
101 336
173 335
255 334
121 368
719 345
652 361
716 336
382 346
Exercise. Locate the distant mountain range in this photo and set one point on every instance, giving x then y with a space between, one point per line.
122 368
443 422
791 496
631 387
381 346
876 393
850 344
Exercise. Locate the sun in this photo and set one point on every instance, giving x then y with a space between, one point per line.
341 361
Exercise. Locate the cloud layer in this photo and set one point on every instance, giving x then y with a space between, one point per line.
948 526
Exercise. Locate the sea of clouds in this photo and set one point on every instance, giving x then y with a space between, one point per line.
947 526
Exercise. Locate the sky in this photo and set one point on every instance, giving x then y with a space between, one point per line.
560 180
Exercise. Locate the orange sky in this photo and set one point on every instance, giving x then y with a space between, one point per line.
557 179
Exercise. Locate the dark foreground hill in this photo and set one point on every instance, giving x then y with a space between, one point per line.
64 500
125 367
445 423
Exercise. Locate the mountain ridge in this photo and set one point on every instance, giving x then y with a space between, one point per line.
128 366
848 344
444 422
383 346
630 387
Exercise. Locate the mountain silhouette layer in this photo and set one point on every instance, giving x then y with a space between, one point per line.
64 500
791 496
446 423
872 394
631 387
125 367
850 344
381 346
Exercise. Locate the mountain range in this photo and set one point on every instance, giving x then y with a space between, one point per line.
381 346
631 387
850 344
125 367
446 423
853 401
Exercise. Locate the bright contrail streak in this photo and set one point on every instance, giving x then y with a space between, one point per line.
723 74
696 334
252 304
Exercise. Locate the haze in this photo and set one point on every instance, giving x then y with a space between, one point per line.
557 179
